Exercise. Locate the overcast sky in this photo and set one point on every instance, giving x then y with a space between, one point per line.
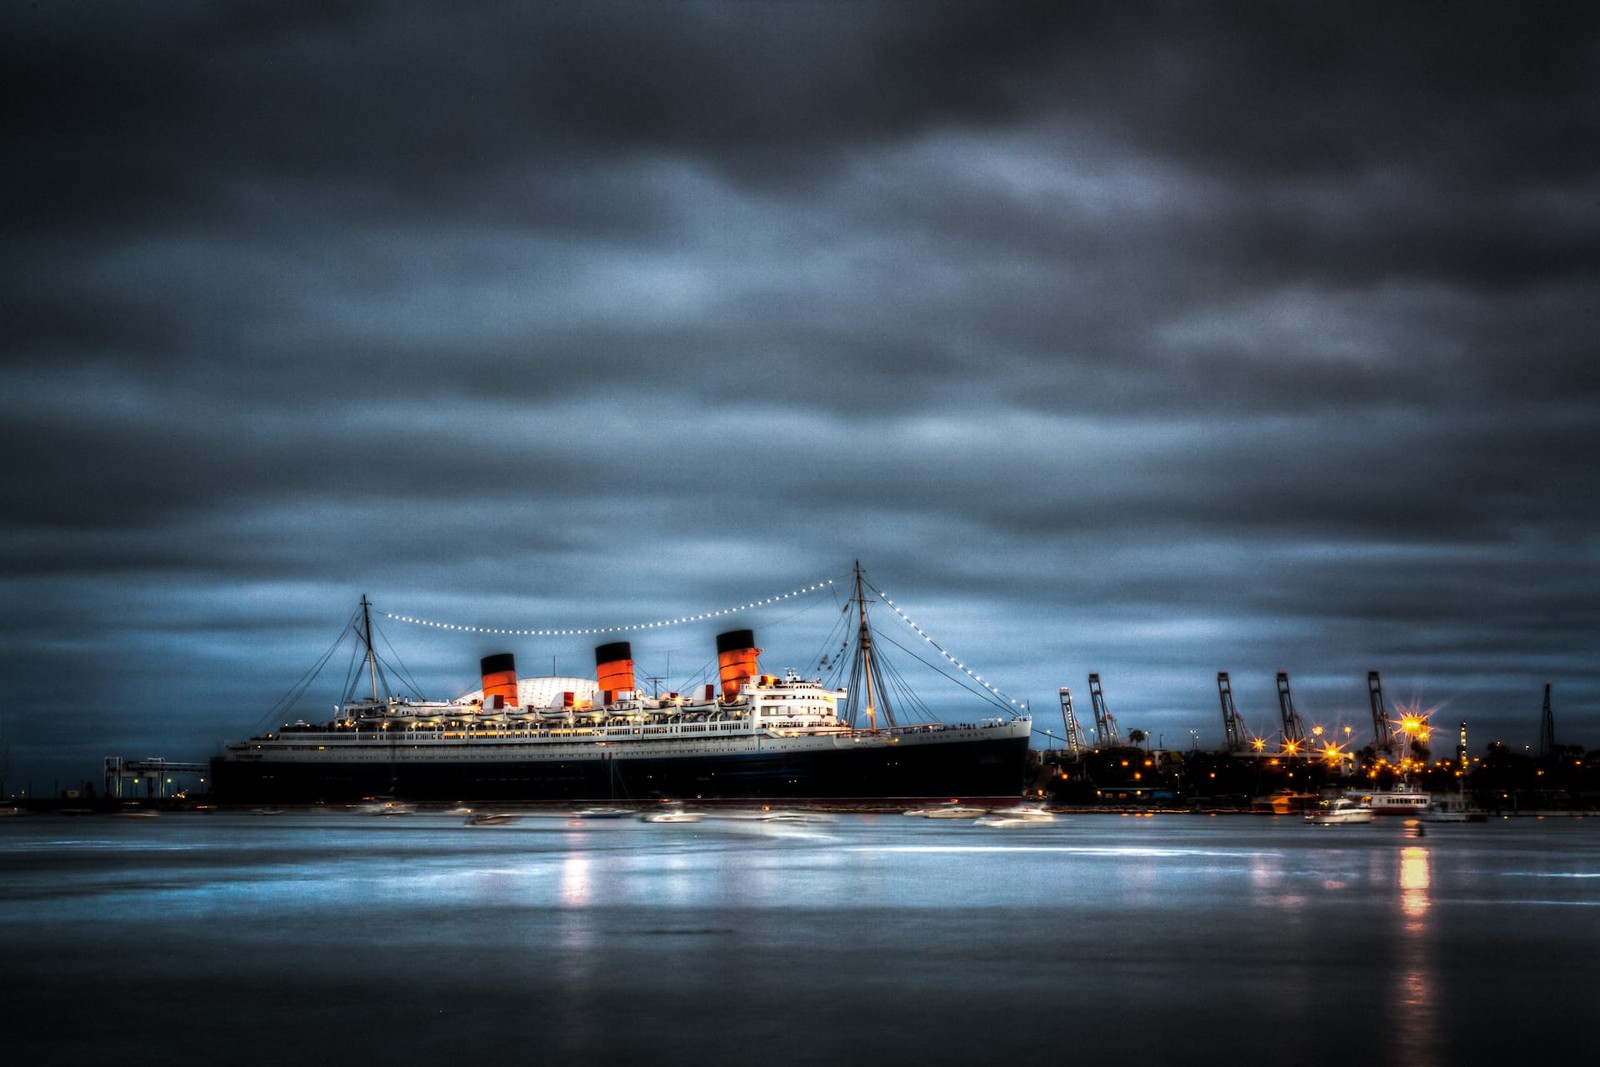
1150 340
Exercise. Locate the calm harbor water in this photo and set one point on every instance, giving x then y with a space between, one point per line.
335 938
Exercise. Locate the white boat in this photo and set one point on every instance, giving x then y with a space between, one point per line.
386 807
794 816
672 816
1404 799
994 818
949 811
1025 813
1338 813
601 813
1453 809
491 818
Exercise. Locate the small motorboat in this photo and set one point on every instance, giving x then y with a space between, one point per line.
949 811
794 816
386 807
1454 808
491 818
601 813
673 815
1338 812
1025 813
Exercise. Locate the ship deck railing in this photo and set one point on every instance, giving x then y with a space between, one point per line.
365 734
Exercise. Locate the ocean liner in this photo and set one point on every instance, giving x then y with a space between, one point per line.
760 738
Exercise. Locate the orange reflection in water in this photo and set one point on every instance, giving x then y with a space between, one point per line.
1416 1025
1415 877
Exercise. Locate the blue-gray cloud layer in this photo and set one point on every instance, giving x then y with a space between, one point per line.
1145 339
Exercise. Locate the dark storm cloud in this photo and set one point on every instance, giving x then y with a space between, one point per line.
425 98
1147 339
420 104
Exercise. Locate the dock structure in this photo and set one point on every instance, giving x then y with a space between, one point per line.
155 772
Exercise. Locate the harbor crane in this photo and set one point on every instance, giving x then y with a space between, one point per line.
1233 728
155 772
1105 724
1069 719
1383 737
1294 731
1547 727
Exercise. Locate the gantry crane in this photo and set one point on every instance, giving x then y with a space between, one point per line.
1383 739
1547 727
1294 731
1069 718
1105 725
1233 727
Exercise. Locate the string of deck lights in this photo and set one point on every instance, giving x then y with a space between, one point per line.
630 628
941 650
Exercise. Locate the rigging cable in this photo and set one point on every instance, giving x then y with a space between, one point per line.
627 628
958 681
941 649
274 715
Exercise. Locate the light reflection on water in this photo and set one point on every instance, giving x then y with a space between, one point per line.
1165 941
1415 994
1414 882
575 870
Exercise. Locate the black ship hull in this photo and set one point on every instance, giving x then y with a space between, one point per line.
969 769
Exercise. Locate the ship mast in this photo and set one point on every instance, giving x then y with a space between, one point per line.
865 650
366 636
865 661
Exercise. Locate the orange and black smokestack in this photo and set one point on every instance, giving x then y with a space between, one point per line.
499 680
613 669
736 656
